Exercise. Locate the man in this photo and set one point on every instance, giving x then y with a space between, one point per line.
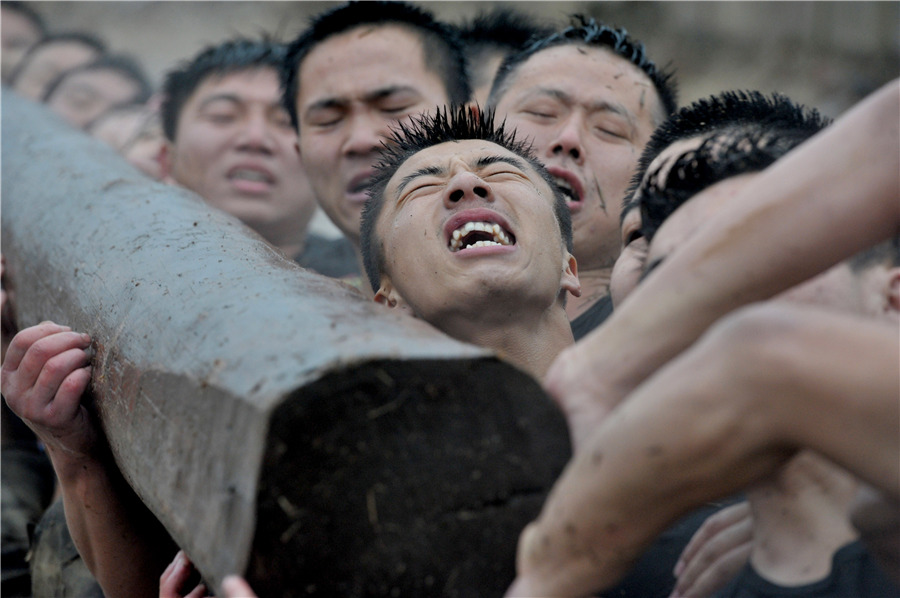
468 179
588 98
448 206
357 71
799 202
490 37
51 57
84 93
229 140
20 28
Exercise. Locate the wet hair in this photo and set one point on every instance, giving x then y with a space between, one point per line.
440 42
500 31
455 123
586 31
76 37
25 9
232 56
742 132
123 65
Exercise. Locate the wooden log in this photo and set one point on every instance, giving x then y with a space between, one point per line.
277 423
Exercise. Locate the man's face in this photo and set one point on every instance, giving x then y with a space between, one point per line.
353 88
47 63
235 147
83 96
17 35
589 114
467 228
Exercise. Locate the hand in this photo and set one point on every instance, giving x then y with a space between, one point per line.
236 587
177 575
716 553
44 376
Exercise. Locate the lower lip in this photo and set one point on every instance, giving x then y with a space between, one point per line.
251 187
574 206
484 251
359 198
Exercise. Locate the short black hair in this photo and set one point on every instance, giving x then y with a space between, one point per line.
235 55
124 65
499 31
440 42
26 10
590 32
743 132
454 123
78 37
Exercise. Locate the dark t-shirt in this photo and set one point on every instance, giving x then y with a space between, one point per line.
593 317
854 574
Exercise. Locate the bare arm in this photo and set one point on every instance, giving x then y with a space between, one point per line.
831 197
731 410
45 375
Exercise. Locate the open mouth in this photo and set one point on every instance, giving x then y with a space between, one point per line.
480 234
568 191
251 175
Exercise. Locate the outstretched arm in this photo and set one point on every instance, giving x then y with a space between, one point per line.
762 384
833 196
45 375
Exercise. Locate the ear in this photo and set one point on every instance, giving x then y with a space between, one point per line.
389 296
569 281
893 291
164 158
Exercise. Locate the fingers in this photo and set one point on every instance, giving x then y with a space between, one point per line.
175 576
25 339
237 587
714 524
719 549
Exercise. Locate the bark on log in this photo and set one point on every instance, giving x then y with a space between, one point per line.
277 423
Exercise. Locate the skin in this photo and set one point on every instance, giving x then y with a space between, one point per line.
236 123
46 63
800 512
84 96
797 207
353 87
589 114
17 35
623 488
136 134
469 292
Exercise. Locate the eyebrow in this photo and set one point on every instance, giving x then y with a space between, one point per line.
478 164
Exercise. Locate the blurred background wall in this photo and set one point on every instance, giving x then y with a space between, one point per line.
826 54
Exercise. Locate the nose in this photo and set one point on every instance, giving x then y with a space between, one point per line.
257 134
567 141
365 134
466 186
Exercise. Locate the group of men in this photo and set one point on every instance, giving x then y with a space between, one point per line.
523 206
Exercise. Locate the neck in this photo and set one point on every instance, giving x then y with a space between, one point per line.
594 286
532 348
800 520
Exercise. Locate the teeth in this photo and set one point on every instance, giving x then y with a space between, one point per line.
566 188
495 230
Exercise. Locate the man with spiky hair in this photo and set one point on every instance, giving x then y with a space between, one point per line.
490 37
588 97
468 208
352 75
769 128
